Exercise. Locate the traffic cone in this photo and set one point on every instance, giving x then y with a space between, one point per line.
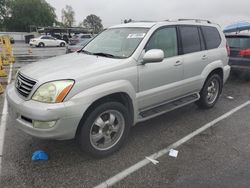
29 51
1 89
2 71
5 62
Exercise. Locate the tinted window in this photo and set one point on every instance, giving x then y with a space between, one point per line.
45 37
164 39
212 37
190 39
202 40
233 42
85 36
245 43
239 42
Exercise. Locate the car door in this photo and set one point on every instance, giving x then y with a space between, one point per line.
44 40
195 57
52 41
160 82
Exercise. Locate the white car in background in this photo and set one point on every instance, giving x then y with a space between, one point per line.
43 41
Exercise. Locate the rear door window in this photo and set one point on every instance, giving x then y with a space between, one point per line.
212 37
190 39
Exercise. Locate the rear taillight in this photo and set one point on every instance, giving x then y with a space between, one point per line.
228 49
244 52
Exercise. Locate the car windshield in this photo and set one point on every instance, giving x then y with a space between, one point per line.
116 43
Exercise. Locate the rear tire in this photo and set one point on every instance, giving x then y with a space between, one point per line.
105 129
210 92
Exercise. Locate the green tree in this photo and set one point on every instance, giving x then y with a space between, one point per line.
68 16
93 22
24 13
2 12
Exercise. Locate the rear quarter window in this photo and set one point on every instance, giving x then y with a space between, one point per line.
85 36
211 36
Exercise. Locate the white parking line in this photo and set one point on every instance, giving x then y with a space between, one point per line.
4 120
120 176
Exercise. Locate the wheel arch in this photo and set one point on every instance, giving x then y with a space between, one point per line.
212 68
121 97
218 71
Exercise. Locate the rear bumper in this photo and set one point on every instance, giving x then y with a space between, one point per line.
226 73
240 68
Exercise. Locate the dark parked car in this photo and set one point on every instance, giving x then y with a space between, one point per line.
79 37
239 52
75 47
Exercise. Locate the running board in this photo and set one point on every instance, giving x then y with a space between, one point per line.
166 107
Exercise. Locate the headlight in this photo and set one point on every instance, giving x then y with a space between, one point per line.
53 92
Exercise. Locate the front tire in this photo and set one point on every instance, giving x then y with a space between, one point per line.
210 92
62 44
105 129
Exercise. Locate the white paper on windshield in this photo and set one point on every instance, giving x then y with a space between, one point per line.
136 35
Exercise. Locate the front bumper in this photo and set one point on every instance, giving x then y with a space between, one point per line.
33 43
67 116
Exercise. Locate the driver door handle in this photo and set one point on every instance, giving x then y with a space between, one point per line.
204 57
178 63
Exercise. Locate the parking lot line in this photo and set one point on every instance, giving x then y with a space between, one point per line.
120 176
4 120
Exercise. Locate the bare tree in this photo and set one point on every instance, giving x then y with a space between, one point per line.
68 16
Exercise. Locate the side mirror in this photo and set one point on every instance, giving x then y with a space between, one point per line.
153 56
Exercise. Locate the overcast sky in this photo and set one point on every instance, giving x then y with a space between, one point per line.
113 11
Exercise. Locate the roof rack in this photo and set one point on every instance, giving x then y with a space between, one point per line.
196 20
143 21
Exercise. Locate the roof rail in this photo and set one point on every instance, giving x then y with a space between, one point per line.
196 20
143 21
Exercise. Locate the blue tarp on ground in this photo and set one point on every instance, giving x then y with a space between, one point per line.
238 26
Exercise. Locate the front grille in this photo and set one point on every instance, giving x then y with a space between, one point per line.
24 85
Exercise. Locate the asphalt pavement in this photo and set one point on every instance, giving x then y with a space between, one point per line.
218 157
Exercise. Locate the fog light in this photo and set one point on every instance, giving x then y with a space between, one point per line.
43 124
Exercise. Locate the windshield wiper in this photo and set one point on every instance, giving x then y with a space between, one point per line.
100 54
86 52
103 54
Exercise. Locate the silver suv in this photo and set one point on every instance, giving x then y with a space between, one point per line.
127 74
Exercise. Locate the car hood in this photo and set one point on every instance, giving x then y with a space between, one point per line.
70 66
